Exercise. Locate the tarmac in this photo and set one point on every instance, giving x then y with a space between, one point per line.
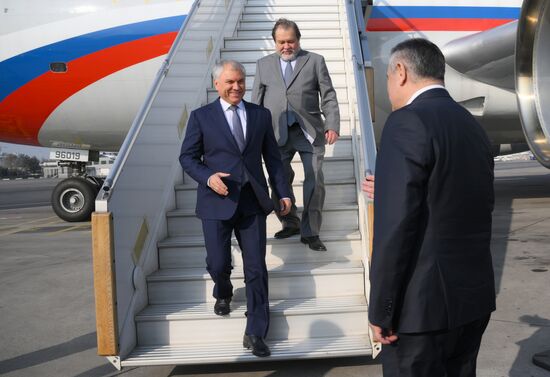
47 304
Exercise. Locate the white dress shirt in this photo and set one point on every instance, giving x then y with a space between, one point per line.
283 67
241 112
424 89
284 63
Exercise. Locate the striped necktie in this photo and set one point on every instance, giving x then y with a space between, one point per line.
237 131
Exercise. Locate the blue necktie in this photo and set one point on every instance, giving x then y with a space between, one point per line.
290 116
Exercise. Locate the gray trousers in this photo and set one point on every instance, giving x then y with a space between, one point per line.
314 187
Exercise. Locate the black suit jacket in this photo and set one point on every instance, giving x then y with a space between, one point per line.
431 267
209 147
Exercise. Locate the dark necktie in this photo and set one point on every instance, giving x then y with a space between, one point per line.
238 133
290 116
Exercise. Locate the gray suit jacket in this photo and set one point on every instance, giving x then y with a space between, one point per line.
310 94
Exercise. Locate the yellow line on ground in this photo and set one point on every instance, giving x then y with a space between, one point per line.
30 222
68 229
25 229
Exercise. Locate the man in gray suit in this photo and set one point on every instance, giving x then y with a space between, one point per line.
295 86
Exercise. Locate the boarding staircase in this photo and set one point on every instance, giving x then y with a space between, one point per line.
317 299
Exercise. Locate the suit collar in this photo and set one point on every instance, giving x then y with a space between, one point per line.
276 67
301 59
221 120
250 121
225 105
422 90
432 93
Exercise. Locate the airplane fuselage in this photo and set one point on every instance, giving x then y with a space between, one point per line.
74 74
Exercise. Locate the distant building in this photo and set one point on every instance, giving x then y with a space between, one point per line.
51 169
101 168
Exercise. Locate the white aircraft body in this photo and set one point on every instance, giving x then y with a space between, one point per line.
73 74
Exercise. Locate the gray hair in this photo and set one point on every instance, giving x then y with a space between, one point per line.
423 58
219 66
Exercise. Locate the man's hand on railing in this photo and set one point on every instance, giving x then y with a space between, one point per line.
368 186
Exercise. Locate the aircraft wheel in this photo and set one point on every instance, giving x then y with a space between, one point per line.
73 199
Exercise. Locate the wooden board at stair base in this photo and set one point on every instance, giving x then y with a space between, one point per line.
370 223
104 284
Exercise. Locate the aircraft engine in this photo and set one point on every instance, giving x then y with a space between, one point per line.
533 76
514 58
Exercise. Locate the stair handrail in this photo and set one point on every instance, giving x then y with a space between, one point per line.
361 60
129 140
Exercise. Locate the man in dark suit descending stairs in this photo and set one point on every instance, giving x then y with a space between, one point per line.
222 150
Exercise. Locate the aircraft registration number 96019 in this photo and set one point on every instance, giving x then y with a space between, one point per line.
69 155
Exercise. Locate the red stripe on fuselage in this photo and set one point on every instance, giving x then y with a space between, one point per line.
24 111
433 24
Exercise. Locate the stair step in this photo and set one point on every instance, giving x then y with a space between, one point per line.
296 17
255 54
303 24
171 116
186 252
179 83
267 42
333 65
289 9
294 318
337 192
335 217
339 80
334 169
290 3
218 352
341 95
296 280
306 33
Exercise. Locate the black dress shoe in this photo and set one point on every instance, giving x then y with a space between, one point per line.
222 306
287 232
259 348
314 243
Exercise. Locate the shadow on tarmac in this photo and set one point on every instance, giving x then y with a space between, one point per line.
302 368
45 355
526 346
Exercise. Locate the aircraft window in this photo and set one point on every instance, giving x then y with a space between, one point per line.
58 67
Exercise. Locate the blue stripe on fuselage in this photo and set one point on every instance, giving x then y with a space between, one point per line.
19 70
444 12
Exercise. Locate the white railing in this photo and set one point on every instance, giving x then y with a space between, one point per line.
363 136
140 188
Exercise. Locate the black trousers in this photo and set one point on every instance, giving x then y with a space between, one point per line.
249 225
445 353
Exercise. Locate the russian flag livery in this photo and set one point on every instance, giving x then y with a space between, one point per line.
452 16
30 92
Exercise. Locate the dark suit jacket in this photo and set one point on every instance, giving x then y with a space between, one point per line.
209 147
431 266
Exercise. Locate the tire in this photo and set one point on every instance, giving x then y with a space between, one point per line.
73 199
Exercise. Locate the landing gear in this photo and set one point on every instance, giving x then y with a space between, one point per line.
73 199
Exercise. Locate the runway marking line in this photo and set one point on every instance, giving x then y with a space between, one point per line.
69 229
26 229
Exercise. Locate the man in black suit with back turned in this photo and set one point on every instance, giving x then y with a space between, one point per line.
432 283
